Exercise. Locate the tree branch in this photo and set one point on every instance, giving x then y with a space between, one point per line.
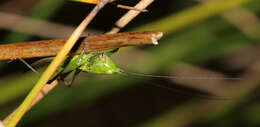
93 44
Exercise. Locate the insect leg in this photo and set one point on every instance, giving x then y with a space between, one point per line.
81 54
42 61
69 83
28 65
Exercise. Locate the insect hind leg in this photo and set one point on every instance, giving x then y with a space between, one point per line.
69 83
63 76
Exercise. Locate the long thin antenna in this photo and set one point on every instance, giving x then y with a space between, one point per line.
178 91
181 77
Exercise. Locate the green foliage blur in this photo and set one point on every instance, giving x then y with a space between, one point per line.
195 35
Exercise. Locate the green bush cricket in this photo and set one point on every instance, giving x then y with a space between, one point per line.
95 63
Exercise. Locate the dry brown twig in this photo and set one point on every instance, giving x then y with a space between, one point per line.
120 24
93 43
129 16
131 8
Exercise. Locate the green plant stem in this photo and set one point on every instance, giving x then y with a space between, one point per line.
54 65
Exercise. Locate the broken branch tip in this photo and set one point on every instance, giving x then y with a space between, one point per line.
156 37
